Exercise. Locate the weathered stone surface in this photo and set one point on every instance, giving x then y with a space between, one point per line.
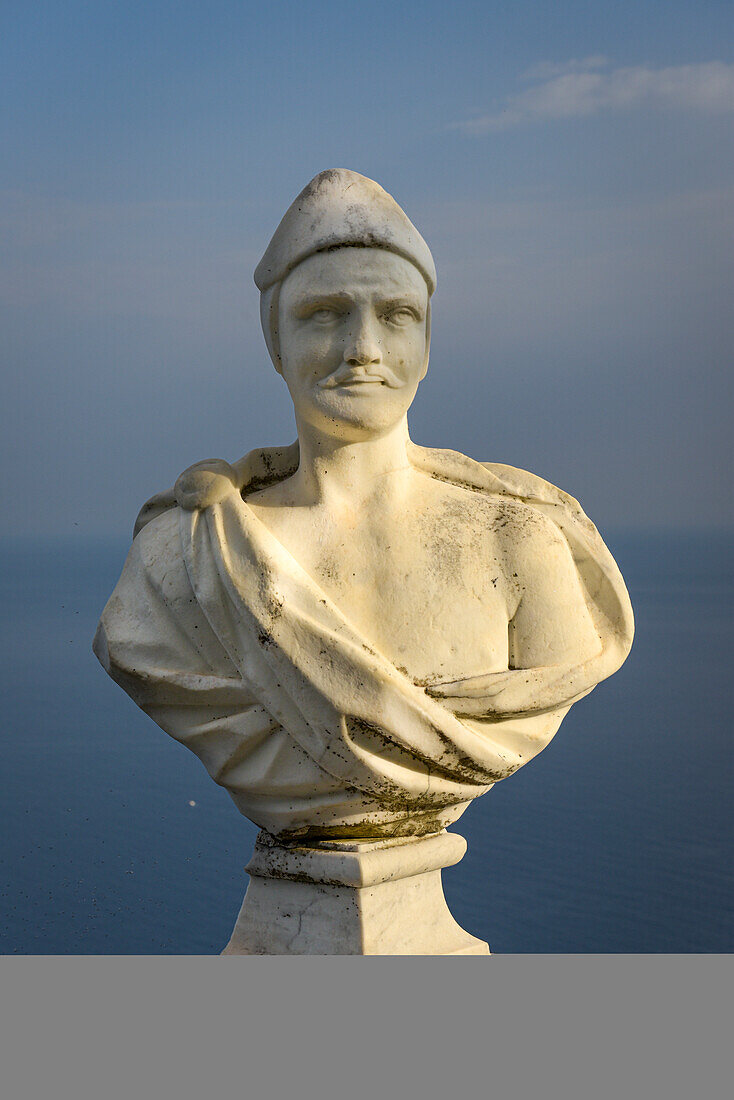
351 898
355 634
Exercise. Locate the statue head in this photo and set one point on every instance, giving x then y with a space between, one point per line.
345 305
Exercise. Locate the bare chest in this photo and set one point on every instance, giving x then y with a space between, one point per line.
427 593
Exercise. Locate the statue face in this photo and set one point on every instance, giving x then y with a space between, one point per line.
352 332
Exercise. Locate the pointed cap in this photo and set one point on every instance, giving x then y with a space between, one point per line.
336 209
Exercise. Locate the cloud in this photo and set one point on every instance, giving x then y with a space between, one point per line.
578 89
545 70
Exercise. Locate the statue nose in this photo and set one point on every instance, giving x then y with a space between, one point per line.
362 353
363 350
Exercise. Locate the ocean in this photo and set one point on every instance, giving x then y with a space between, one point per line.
617 838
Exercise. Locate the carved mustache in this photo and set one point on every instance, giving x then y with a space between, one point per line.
345 374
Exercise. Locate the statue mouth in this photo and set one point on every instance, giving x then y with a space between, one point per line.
346 377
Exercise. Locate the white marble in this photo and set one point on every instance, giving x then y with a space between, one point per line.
357 635
351 898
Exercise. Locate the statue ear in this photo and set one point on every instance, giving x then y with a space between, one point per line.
269 302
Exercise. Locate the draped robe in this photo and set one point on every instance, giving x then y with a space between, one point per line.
218 633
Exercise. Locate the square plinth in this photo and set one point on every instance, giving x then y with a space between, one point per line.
351 898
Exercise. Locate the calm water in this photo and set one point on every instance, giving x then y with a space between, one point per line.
617 838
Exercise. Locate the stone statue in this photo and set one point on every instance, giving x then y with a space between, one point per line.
355 634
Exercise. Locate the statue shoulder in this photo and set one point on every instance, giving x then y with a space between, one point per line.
200 485
530 487
156 506
158 550
559 514
491 477
208 481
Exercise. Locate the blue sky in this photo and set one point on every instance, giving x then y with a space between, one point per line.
570 164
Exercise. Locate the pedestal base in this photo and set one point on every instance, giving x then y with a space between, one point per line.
351 898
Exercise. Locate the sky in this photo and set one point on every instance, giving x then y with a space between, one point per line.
570 164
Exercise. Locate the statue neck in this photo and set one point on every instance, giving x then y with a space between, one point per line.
332 469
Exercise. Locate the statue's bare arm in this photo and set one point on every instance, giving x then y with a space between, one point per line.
555 653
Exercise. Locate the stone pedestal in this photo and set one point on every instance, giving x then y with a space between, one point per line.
351 898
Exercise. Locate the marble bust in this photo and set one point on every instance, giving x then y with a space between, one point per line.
355 634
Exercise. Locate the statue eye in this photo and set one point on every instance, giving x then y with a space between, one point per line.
323 316
400 317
